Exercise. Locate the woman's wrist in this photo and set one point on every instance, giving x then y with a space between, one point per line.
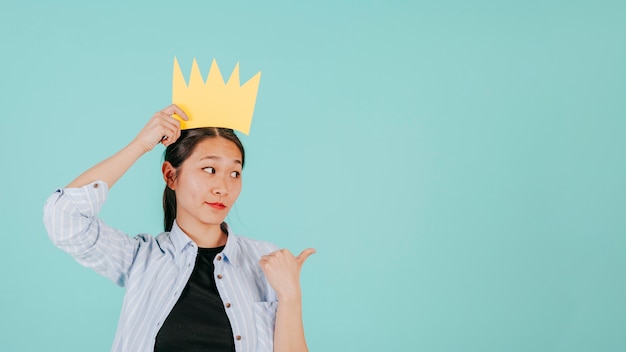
139 146
292 297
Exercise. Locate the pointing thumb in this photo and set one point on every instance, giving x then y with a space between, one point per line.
305 254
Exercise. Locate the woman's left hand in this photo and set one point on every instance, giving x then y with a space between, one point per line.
282 270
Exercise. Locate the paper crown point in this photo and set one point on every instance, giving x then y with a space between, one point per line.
214 103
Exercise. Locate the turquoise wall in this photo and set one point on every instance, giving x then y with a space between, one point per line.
459 165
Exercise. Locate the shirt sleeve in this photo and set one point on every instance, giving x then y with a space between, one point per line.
71 219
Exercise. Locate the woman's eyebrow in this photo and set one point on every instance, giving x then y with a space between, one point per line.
218 158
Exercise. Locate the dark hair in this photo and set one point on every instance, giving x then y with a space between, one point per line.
179 151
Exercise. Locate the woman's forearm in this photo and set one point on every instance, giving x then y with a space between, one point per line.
289 330
111 169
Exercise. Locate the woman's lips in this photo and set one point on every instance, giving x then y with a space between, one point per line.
218 206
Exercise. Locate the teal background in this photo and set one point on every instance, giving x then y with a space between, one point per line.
459 165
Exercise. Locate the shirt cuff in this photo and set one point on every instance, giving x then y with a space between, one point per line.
88 199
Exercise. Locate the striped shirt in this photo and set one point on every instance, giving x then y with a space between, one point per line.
154 271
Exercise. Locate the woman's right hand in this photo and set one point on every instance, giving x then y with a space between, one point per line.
162 128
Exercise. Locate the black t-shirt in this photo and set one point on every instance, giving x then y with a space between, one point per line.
198 321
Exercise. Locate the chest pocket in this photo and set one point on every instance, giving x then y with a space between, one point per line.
265 319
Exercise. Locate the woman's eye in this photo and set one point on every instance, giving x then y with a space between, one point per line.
235 174
209 170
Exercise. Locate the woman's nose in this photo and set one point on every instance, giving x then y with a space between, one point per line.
220 191
220 188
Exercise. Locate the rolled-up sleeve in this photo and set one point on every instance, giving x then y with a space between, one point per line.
71 219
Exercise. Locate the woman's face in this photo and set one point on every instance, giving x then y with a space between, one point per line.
207 183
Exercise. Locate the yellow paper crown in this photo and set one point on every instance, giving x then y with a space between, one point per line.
215 104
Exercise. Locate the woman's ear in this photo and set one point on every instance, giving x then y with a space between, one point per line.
169 175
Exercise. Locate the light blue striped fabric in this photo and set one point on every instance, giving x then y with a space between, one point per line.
154 271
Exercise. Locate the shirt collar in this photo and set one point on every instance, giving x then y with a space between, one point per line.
231 250
179 239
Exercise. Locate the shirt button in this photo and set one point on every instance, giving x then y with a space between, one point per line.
95 185
227 305
219 276
238 337
219 257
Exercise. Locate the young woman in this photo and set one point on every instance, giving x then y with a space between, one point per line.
197 286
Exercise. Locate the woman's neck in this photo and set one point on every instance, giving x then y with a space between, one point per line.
205 236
